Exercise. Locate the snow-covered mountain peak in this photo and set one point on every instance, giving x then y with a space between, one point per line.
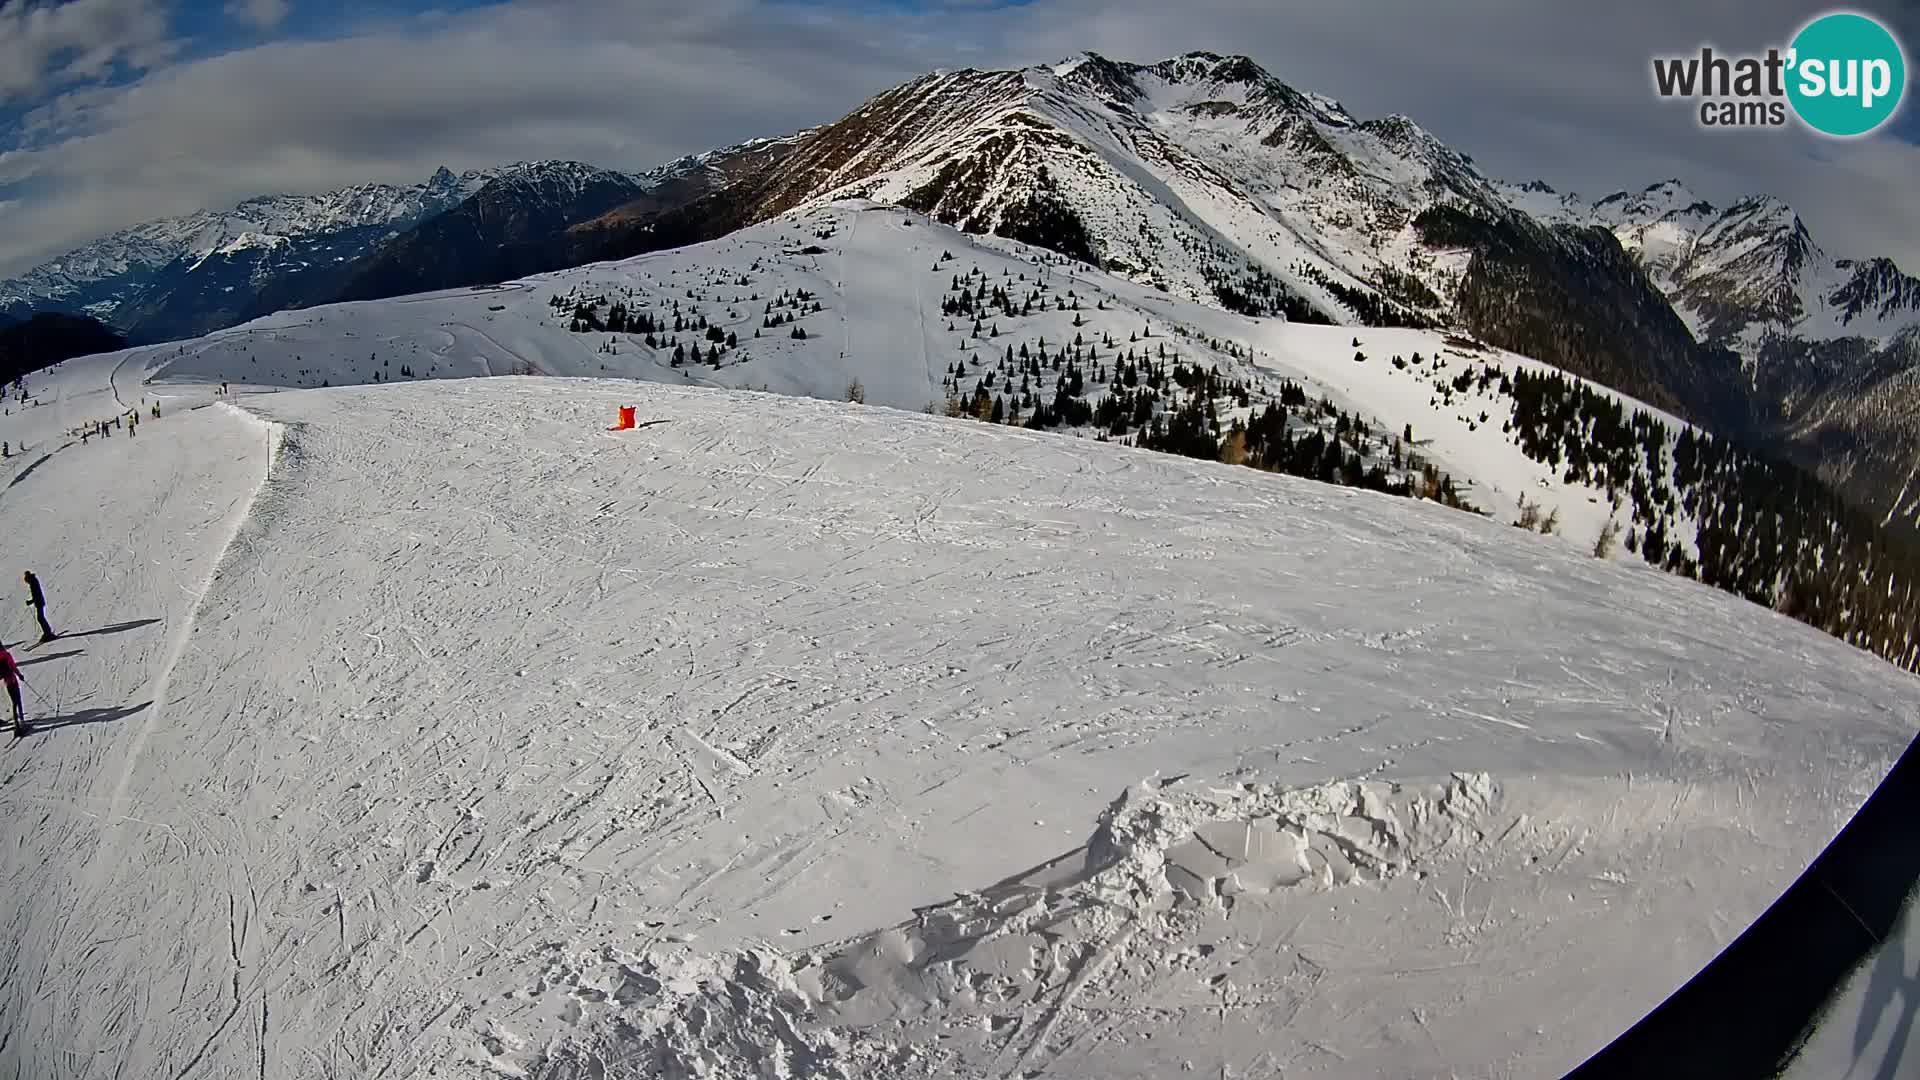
1068 66
1202 173
1544 202
1664 201
1199 81
1220 73
563 176
447 186
1213 69
1878 290
1743 273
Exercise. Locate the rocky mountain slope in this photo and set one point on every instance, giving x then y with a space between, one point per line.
474 241
1741 274
1204 176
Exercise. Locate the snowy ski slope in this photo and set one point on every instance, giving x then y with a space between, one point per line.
435 730
879 275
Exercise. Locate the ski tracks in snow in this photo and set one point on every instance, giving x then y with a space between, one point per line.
777 696
105 836
486 704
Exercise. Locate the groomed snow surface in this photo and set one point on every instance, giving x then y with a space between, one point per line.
434 730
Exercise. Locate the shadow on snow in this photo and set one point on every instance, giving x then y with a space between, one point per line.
86 716
116 628
52 656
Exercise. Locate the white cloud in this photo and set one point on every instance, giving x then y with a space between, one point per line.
1553 91
264 14
47 44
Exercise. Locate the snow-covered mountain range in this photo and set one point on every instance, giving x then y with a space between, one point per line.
184 276
521 224
101 277
1744 273
1203 176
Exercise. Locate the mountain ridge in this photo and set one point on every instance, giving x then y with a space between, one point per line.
520 224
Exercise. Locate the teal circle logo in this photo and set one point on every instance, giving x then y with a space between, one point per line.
1847 74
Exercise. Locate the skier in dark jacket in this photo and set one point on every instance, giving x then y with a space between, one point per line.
38 601
10 674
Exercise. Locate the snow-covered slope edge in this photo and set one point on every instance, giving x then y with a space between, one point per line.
585 737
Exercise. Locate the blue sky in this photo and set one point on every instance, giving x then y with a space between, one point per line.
118 111
211 27
204 28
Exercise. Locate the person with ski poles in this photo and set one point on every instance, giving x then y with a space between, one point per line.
37 600
10 673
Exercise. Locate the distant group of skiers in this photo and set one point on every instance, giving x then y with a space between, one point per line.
9 668
128 421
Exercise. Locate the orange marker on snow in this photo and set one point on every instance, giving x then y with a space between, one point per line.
626 419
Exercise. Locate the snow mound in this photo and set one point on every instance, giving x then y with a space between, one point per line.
1258 837
1161 860
1177 938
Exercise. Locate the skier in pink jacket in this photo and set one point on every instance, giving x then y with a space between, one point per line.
10 672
